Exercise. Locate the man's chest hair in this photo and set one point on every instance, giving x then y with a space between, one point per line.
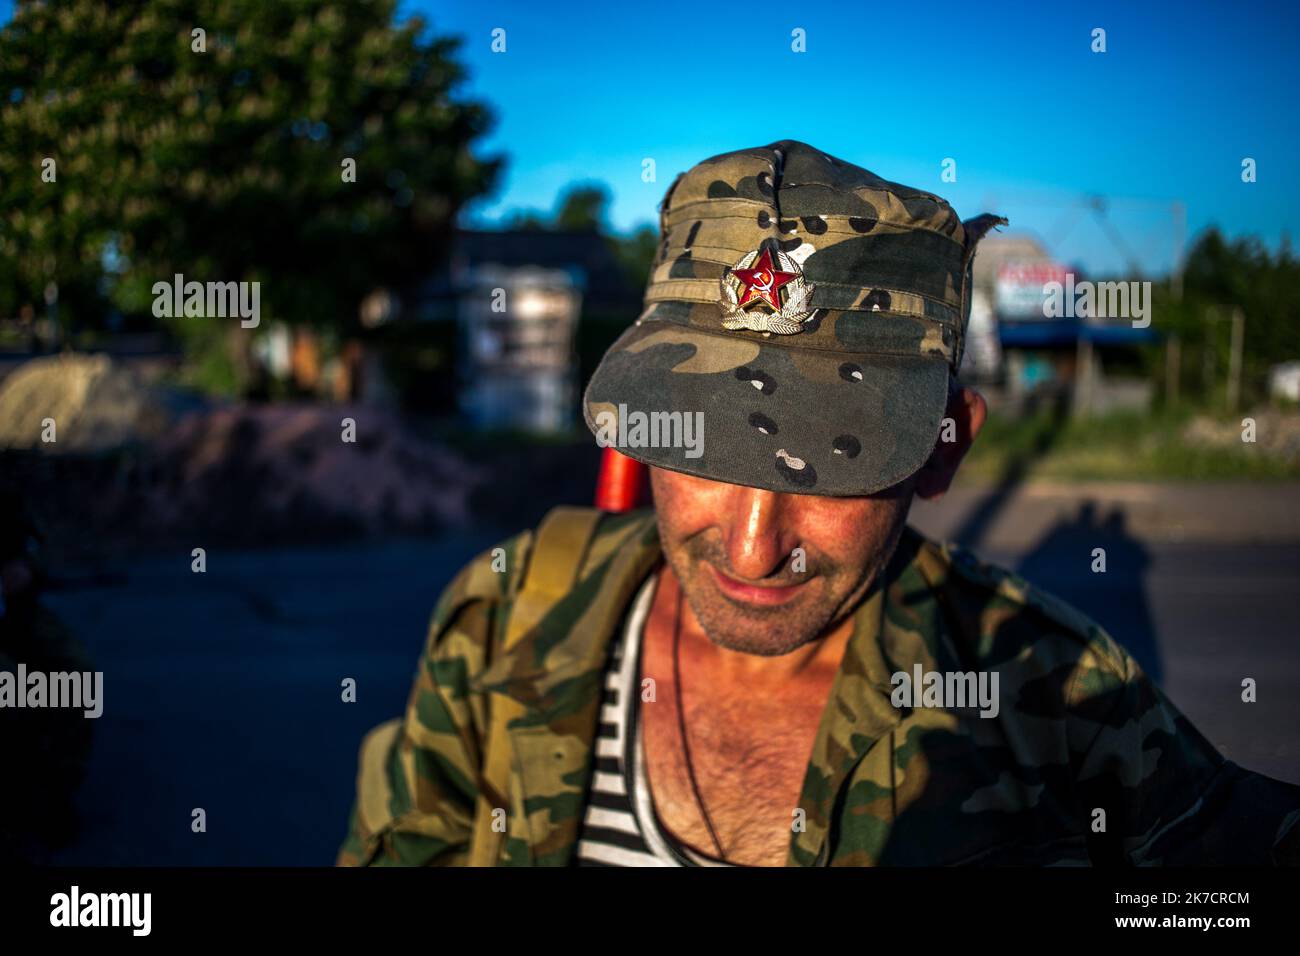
751 731
749 757
746 749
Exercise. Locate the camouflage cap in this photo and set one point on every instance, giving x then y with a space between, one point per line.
808 311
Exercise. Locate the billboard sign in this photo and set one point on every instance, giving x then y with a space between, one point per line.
1018 293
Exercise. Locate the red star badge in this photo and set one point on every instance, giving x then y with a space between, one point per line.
762 281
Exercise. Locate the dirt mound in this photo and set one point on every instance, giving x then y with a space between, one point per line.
138 465
86 403
273 469
250 476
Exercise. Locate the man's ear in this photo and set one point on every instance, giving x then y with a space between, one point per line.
963 420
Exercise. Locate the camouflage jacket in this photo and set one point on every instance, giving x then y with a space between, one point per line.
1086 761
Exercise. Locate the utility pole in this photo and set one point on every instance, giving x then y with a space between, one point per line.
1207 355
1180 238
1234 358
1084 375
1173 368
1235 348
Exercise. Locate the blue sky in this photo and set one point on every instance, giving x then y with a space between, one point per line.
1034 119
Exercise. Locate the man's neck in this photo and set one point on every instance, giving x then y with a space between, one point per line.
747 725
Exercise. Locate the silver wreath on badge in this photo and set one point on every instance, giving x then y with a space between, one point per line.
794 311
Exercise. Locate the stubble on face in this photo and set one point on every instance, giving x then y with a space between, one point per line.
846 545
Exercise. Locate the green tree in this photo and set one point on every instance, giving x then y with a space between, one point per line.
582 208
636 253
1220 274
223 155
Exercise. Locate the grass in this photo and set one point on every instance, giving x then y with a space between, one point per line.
1125 446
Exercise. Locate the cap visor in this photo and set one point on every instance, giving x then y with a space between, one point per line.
739 409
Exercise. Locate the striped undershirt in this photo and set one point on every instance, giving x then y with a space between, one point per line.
620 827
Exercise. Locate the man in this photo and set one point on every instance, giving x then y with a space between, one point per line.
772 668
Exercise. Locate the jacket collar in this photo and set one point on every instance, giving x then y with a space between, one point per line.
898 624
857 714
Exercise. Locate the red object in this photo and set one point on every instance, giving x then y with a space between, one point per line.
763 281
623 483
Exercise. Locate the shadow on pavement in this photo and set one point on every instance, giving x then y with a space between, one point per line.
1063 560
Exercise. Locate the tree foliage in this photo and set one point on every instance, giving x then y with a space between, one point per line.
226 163
1220 274
584 207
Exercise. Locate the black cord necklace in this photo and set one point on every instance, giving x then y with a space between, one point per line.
681 725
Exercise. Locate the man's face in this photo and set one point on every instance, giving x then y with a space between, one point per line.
733 547
733 550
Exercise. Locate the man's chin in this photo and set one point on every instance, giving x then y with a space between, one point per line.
759 645
765 630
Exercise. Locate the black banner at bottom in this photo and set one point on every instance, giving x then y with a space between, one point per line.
524 908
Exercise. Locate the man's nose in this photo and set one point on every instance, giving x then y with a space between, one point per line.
755 537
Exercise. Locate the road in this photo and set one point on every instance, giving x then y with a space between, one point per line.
223 690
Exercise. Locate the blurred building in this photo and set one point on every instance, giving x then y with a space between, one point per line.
516 331
516 299
1016 347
